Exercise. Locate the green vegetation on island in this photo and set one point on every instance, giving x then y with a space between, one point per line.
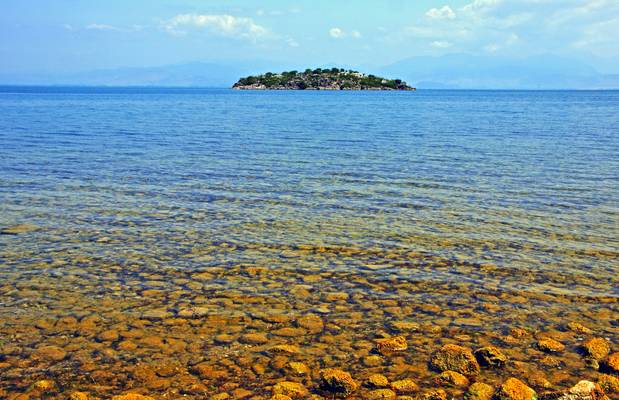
320 79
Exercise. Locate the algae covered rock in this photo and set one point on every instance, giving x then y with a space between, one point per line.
404 386
381 394
132 396
490 356
479 391
293 390
583 390
515 389
609 383
391 345
337 382
17 229
550 345
451 378
378 381
456 358
597 348
611 363
435 394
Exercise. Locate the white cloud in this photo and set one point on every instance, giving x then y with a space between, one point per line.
336 33
103 27
292 43
441 44
222 25
444 12
480 5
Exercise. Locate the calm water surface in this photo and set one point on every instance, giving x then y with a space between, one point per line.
443 207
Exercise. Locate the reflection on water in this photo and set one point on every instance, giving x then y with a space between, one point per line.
182 235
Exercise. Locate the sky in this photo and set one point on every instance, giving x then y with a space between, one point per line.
47 36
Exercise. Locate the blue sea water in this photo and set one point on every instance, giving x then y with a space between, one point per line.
526 180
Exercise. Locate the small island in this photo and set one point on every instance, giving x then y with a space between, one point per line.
320 79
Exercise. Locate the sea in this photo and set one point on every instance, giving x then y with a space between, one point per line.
205 226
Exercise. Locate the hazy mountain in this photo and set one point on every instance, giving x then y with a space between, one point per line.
191 74
449 71
489 72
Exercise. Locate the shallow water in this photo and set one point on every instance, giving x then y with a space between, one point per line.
467 212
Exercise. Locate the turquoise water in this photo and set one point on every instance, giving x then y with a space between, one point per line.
167 225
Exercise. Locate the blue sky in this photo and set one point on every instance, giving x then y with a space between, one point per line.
73 35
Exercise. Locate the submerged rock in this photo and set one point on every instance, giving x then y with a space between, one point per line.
404 386
490 356
391 345
515 389
578 328
597 348
378 381
583 390
381 394
456 358
609 383
132 396
293 390
550 345
611 363
337 382
436 394
451 378
50 353
17 229
479 391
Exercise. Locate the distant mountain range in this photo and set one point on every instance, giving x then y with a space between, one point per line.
453 71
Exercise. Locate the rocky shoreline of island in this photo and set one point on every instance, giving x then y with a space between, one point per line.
320 79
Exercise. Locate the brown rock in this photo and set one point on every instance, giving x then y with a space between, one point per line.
479 391
44 385
404 386
132 396
17 229
50 353
280 397
254 338
298 368
597 348
436 394
515 389
378 381
583 390
289 332
550 345
293 390
490 356
285 348
337 382
456 358
372 360
391 345
380 394
609 383
578 328
612 362
451 378
312 322
110 335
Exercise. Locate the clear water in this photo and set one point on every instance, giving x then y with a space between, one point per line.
133 189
